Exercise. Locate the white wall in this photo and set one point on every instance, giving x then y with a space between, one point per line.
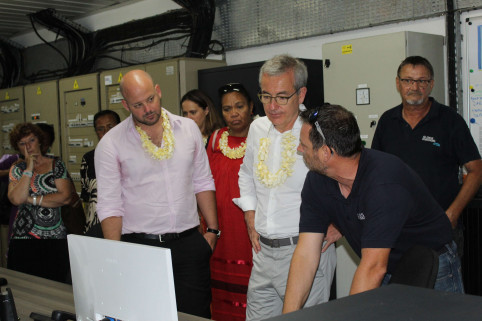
465 69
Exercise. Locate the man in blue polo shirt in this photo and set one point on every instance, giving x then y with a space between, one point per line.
433 139
377 202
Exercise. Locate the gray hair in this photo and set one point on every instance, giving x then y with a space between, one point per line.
283 63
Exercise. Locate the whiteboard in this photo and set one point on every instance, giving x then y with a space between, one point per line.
120 280
473 37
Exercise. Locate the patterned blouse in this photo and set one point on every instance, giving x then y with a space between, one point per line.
89 188
38 222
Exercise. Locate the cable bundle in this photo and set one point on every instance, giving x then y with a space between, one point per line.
79 40
192 25
11 63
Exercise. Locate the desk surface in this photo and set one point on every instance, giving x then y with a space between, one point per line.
34 294
394 302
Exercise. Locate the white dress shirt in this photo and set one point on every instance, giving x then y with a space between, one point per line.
277 210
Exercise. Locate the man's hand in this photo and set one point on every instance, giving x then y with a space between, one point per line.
211 238
253 235
468 190
371 270
332 235
304 264
453 218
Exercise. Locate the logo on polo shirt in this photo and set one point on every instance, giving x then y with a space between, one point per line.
361 216
430 140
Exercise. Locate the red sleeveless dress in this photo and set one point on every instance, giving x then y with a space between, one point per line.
231 261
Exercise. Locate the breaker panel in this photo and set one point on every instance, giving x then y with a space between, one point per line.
177 76
79 102
360 73
110 95
12 111
42 106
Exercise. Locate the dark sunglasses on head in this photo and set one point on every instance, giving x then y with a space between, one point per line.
230 88
313 119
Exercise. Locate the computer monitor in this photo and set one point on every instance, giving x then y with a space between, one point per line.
121 281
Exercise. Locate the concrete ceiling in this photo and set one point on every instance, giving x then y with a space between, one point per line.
14 18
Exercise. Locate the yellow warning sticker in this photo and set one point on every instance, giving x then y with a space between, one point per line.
346 49
7 97
120 77
76 84
39 91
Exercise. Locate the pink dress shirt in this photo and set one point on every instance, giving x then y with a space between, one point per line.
151 196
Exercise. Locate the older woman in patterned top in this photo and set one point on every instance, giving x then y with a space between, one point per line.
39 186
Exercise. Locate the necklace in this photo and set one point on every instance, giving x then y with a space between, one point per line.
167 137
232 153
288 157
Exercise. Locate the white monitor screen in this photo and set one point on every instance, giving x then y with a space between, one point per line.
122 281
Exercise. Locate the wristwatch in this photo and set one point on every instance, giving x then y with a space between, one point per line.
211 230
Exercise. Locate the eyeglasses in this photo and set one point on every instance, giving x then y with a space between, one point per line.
422 83
280 100
230 88
313 119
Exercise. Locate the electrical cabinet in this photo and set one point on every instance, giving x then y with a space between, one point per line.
42 106
79 102
360 76
110 95
12 111
360 73
176 77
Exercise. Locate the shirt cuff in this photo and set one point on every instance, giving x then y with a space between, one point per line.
246 203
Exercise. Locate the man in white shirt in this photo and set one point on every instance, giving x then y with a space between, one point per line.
270 182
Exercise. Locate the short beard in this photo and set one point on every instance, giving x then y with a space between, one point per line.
414 102
149 123
315 166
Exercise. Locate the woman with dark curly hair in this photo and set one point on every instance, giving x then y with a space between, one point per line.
39 185
196 105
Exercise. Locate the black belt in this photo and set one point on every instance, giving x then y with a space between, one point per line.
164 237
279 242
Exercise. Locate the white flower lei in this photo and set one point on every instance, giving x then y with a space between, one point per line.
288 157
232 153
167 137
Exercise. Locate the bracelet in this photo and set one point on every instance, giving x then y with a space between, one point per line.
34 200
28 173
40 202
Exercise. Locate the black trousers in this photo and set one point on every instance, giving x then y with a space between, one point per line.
192 276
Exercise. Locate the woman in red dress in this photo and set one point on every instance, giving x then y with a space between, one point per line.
232 260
